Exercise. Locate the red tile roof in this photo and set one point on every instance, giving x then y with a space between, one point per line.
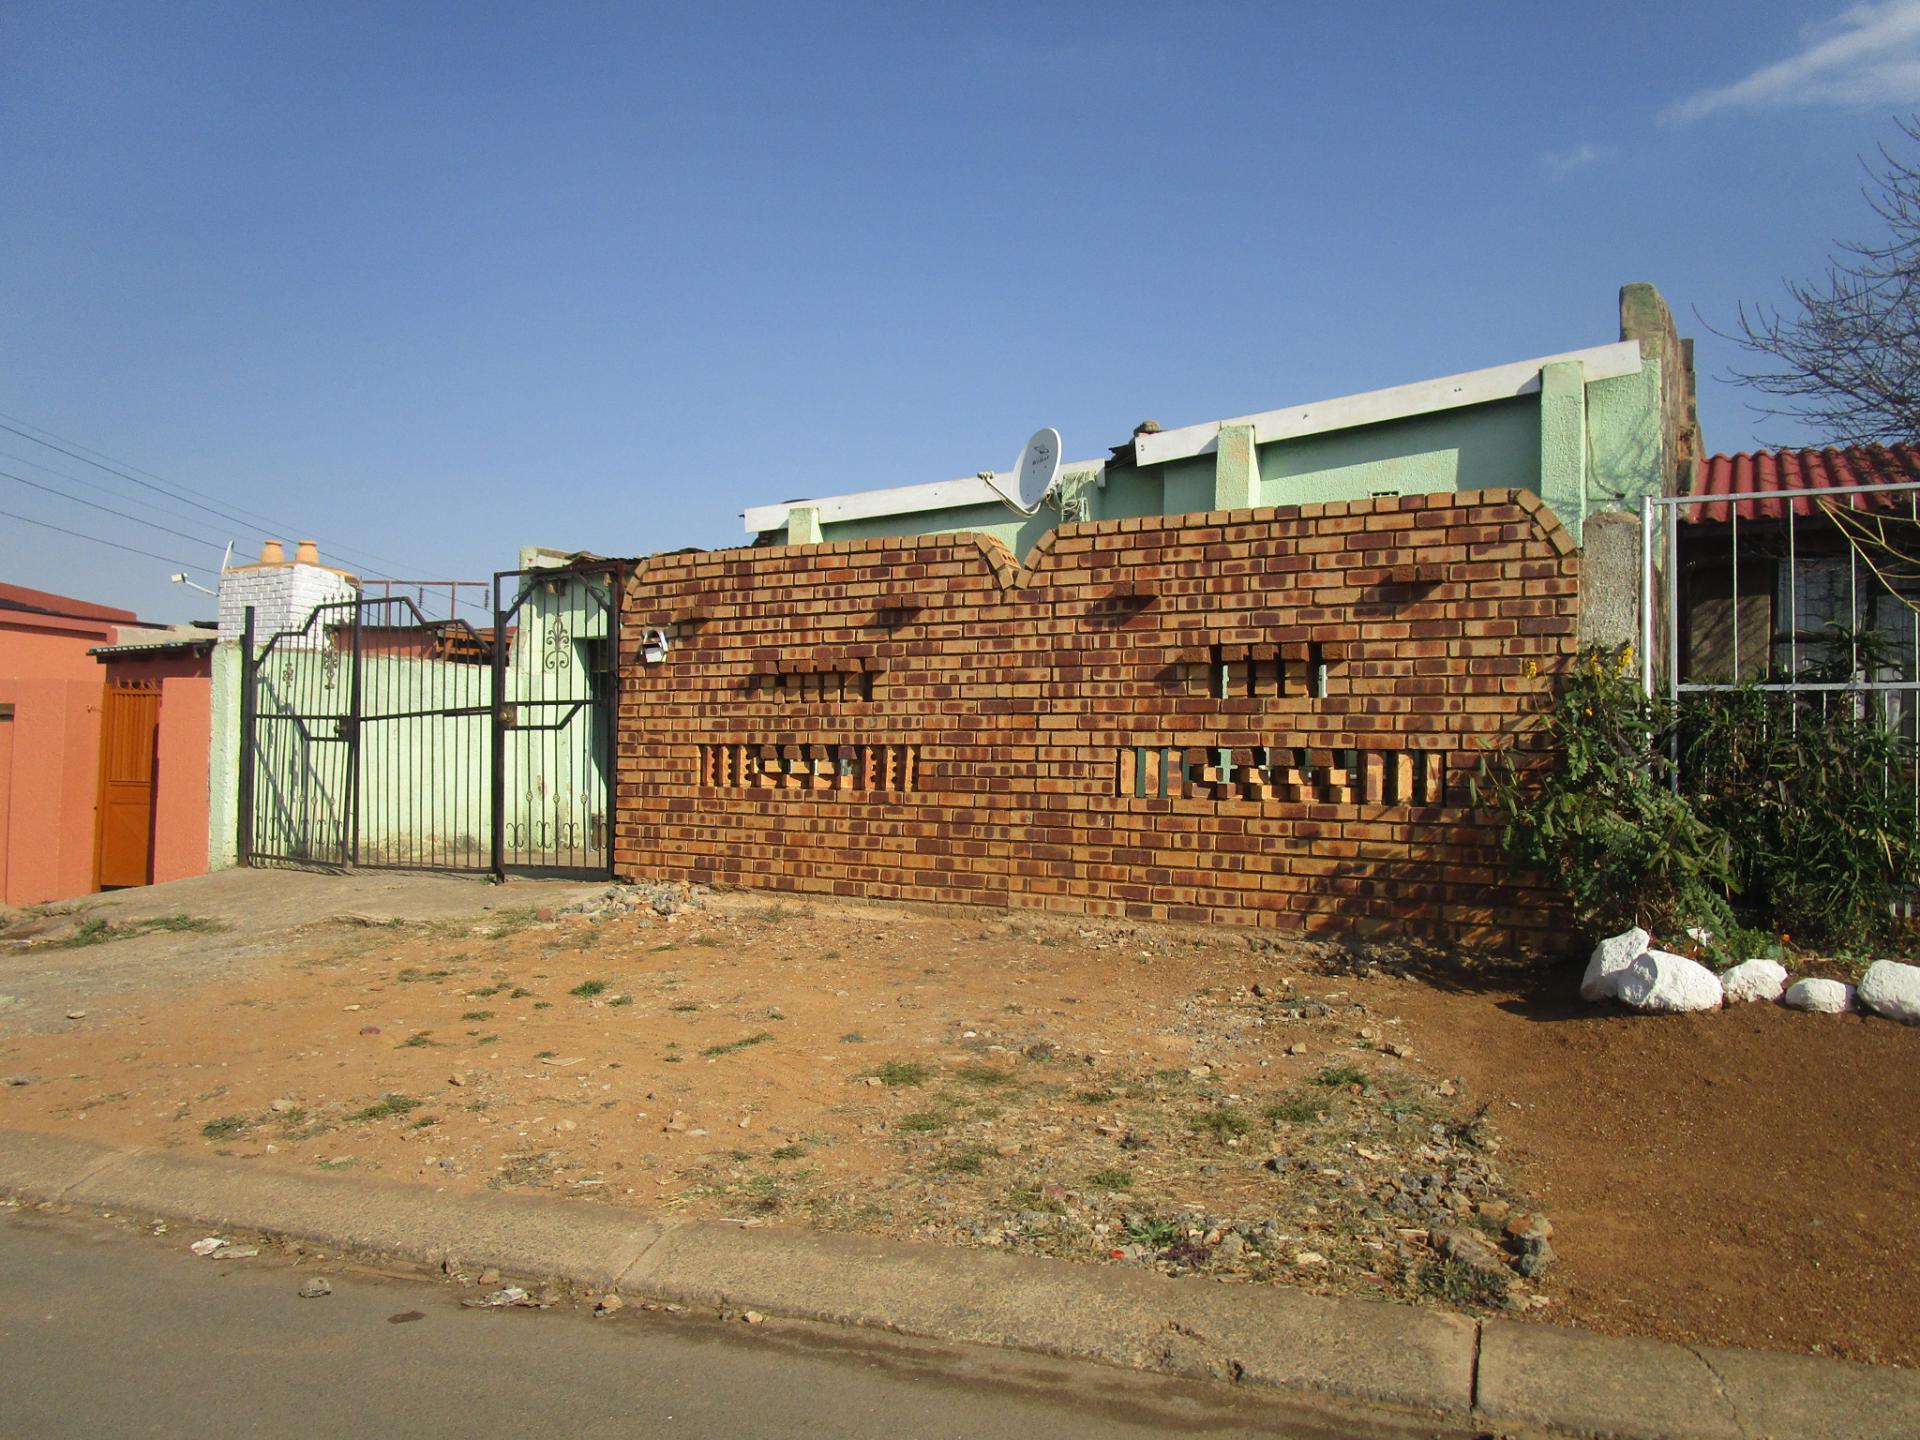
1775 470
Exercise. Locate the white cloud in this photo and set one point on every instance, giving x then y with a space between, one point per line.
1561 162
1867 55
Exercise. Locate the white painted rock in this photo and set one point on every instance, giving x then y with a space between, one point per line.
1667 983
1829 997
1755 980
1893 990
1610 960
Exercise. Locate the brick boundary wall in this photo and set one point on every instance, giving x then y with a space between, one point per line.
1258 717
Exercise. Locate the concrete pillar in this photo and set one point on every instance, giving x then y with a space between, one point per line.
1236 469
1563 442
1610 580
803 525
223 759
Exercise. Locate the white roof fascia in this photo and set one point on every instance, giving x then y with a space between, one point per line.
900 500
1424 397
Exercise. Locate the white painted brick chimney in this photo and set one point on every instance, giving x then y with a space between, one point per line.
282 594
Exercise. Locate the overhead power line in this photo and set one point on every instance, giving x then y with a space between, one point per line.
124 470
97 540
73 449
108 510
98 488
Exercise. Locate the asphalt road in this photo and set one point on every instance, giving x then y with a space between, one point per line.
108 1331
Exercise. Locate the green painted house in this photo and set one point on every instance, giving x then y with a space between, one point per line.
1589 430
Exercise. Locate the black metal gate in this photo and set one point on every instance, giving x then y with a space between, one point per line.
553 727
372 736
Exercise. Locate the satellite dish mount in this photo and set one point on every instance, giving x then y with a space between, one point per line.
1033 475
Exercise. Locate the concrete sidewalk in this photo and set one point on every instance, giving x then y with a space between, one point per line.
1498 1373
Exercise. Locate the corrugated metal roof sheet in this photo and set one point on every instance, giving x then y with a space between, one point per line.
1768 471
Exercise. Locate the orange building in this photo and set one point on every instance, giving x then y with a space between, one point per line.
103 757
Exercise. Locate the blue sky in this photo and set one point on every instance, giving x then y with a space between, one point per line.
432 281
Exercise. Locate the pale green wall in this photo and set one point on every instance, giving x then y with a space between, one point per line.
1490 447
1623 436
1581 445
1019 532
424 782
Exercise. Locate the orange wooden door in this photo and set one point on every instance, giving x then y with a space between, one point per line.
123 825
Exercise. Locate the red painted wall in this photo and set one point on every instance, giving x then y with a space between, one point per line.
53 685
51 791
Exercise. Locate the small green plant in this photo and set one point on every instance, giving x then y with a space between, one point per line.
620 1000
545 1054
1292 1110
414 975
1338 1077
89 932
1460 1285
97 931
1588 800
713 1052
587 989
519 993
477 1015
486 993
387 1107
896 1073
419 1040
923 1122
683 1007
510 922
787 1152
1151 1231
228 1127
853 1037
987 1076
1094 1097
487 1040
1111 1179
543 1004
971 1161
1223 1122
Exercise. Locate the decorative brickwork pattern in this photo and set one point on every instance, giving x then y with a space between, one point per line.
1255 716
809 768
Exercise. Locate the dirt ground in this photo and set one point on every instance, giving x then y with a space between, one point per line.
1257 1110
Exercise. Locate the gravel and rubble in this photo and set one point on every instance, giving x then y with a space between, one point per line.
1362 1119
1110 1093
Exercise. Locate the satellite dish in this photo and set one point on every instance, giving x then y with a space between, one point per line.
1033 473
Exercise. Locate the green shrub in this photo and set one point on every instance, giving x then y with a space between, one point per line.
1786 814
1588 802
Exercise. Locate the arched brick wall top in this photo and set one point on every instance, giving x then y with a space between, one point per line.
1263 716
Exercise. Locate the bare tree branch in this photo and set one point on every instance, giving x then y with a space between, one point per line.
1842 354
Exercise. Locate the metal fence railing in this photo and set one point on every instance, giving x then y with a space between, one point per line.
1812 595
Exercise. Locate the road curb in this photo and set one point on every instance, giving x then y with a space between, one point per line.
1497 1372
